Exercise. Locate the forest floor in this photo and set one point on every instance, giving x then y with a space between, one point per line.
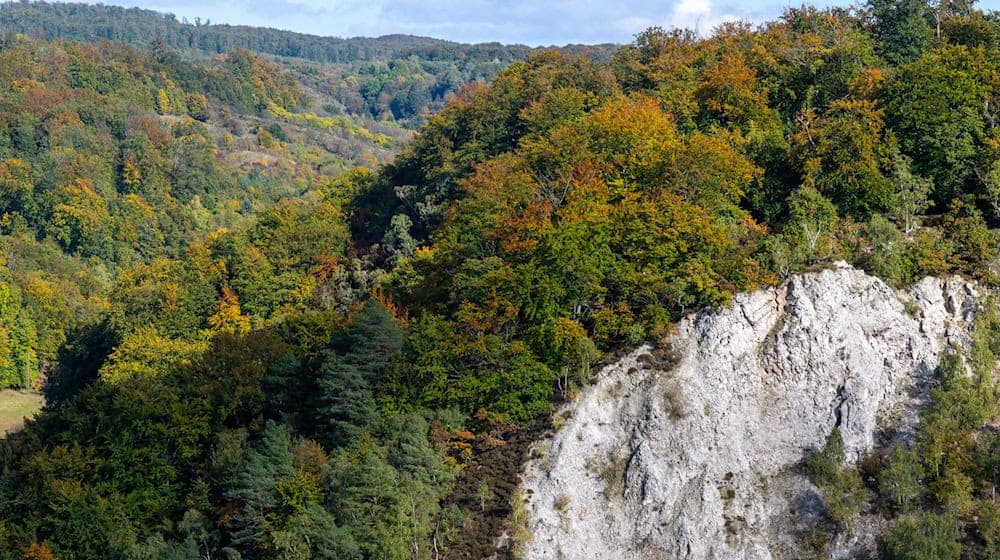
15 406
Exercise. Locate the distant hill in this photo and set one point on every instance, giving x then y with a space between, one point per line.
400 78
140 27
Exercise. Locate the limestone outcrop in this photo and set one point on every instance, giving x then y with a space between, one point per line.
692 450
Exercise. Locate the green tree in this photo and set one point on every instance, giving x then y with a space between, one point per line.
886 259
911 194
825 462
254 487
934 105
364 493
989 526
844 496
17 188
84 524
902 29
991 190
846 153
371 341
975 244
18 359
811 226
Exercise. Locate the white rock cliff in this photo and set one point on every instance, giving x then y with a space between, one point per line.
693 455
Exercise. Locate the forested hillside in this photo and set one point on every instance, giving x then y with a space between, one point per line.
399 77
91 23
252 354
111 158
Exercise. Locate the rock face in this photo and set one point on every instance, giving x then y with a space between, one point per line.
692 451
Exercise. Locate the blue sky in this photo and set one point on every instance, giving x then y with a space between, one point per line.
534 22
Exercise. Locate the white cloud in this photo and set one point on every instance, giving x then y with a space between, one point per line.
692 14
702 16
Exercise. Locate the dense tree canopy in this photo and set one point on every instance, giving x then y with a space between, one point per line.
257 343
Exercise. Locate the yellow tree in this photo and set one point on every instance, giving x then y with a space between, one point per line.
162 102
146 352
730 93
80 218
229 319
131 174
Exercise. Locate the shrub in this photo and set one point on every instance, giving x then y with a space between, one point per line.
843 490
824 464
900 482
926 536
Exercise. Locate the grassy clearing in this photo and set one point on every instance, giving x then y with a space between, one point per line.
15 406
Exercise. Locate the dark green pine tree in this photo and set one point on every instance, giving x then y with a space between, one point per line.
254 487
354 364
371 342
346 404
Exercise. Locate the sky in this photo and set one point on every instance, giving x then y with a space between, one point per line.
532 22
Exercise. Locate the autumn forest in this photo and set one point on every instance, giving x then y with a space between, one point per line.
290 297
